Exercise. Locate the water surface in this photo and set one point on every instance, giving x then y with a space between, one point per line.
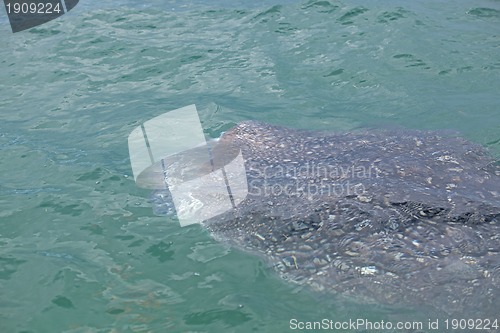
81 250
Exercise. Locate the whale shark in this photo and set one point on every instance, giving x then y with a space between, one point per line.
396 217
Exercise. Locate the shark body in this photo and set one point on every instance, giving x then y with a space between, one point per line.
392 217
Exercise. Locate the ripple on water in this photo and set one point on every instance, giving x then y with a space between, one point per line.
485 12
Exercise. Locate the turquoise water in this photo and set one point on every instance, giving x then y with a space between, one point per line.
80 248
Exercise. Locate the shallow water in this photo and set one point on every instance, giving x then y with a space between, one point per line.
81 250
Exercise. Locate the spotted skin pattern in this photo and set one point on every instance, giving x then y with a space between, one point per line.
389 217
